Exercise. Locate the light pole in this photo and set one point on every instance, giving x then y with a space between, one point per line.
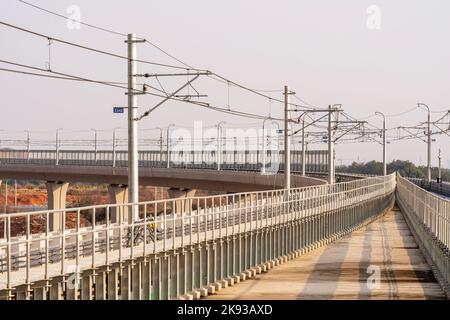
160 145
57 146
287 140
219 143
133 151
278 131
28 144
439 168
114 146
384 141
428 140
95 145
330 148
263 169
303 146
168 143
331 141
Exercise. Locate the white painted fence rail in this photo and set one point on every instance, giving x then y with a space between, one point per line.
428 216
170 252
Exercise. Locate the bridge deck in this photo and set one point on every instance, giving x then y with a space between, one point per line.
338 271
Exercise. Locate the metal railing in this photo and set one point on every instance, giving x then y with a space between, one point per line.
273 224
428 216
442 188
315 160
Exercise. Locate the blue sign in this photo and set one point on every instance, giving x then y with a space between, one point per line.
279 131
118 109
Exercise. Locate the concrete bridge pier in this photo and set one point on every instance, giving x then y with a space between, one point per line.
56 200
180 194
118 194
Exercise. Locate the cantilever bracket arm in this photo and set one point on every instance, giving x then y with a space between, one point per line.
375 140
443 131
309 124
345 132
415 135
145 114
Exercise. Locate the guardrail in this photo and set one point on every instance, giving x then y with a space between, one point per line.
315 160
442 188
176 246
428 216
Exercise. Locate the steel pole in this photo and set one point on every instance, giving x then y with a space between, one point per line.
160 145
133 173
167 145
264 141
429 148
384 142
114 148
303 148
28 145
330 147
287 141
428 140
95 145
218 147
219 144
439 168
384 148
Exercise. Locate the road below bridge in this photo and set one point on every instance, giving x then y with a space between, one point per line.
339 270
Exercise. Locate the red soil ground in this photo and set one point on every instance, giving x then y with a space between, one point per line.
77 196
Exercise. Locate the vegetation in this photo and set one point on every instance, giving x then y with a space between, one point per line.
405 168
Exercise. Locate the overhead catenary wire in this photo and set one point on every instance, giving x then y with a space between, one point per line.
103 29
188 66
305 102
54 77
235 84
48 37
211 74
68 18
202 104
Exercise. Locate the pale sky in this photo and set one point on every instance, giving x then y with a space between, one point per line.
322 49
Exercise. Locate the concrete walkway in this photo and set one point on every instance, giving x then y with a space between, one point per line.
340 270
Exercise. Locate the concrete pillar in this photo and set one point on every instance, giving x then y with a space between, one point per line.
56 200
118 194
181 205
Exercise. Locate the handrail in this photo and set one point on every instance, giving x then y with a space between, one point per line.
428 216
89 241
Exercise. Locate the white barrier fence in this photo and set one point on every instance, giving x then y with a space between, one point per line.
428 216
205 239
